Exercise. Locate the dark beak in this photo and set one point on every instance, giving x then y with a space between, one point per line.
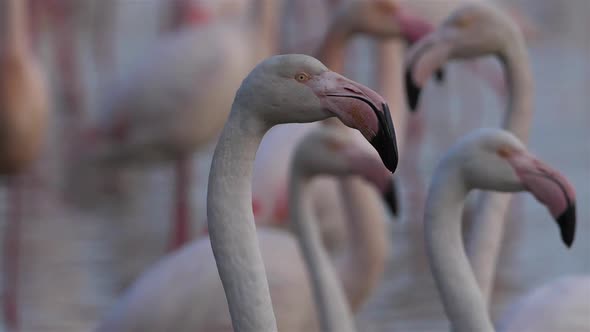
412 91
440 75
391 197
385 142
567 225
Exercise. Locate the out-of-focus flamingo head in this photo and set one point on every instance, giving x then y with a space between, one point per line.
381 18
197 12
472 31
332 152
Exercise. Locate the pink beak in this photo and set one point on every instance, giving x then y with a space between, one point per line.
551 189
412 26
361 108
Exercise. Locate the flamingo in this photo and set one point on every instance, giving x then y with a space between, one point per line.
475 30
157 111
327 152
24 108
283 88
488 159
380 19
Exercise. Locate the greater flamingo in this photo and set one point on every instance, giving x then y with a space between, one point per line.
471 31
381 19
24 108
291 88
488 159
281 88
177 99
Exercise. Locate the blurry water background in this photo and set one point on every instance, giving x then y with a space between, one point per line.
63 288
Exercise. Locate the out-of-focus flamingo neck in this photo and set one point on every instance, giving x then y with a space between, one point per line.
484 242
332 47
334 313
13 26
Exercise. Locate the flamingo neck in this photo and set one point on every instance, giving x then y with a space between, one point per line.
462 300
488 224
265 23
520 89
332 47
334 313
231 224
390 76
363 261
13 25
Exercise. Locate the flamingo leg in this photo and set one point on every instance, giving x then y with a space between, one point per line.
181 226
11 257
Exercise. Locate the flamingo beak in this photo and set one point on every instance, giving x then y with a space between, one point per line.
550 188
391 197
360 108
425 59
372 170
413 27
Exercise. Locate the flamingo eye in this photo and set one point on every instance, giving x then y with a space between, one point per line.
504 152
334 145
302 77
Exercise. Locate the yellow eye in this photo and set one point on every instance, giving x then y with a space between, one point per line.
302 77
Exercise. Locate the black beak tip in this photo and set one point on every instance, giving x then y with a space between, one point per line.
385 141
567 225
391 197
412 91
440 75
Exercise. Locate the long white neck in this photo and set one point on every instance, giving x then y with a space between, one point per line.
362 263
489 221
333 310
231 224
13 25
462 299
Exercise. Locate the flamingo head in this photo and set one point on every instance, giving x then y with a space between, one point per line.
493 159
472 31
299 88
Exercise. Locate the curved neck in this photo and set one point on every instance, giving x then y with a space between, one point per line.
520 89
363 261
391 85
231 224
462 299
334 313
13 25
488 230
